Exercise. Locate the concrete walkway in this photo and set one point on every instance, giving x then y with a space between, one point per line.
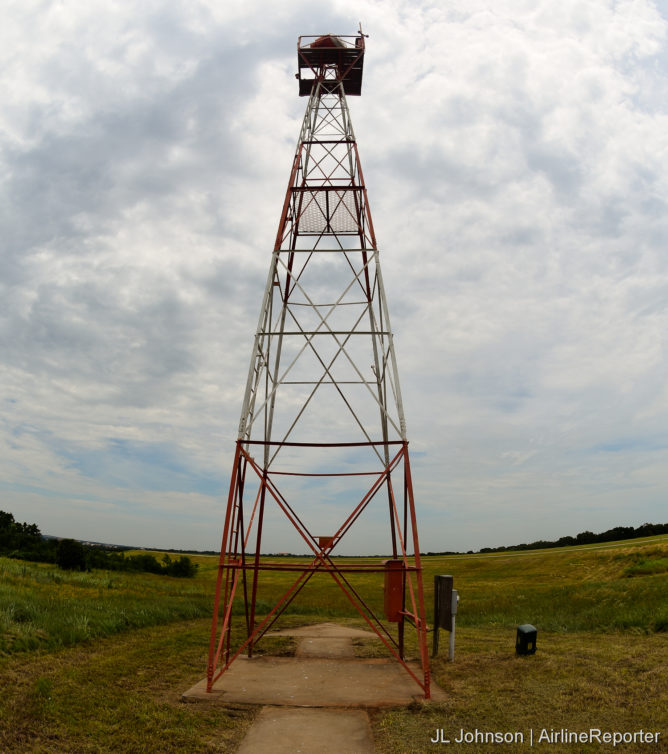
310 696
286 730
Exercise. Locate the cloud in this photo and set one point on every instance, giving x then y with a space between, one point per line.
516 159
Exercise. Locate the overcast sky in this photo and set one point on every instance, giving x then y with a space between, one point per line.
516 156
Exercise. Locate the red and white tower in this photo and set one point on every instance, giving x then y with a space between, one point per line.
322 425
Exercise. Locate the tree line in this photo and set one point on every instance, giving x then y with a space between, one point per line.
583 538
25 542
588 537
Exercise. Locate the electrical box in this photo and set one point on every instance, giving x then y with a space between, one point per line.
394 590
443 601
446 602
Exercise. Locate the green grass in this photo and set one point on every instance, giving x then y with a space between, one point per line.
602 589
96 662
116 695
42 607
647 562
560 591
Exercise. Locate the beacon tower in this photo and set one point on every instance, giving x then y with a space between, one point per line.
322 436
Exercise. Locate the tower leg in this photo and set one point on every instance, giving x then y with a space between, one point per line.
214 651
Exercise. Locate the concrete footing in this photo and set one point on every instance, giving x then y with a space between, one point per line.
317 700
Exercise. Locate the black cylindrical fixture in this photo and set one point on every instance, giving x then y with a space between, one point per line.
525 641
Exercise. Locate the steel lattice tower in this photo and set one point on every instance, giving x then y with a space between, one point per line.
322 419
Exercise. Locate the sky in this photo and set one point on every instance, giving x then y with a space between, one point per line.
516 158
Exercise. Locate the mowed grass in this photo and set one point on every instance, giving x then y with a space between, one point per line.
575 681
97 661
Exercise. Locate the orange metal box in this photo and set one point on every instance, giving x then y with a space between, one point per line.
394 589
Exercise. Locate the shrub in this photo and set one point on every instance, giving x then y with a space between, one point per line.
71 555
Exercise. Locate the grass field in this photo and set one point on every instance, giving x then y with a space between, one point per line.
96 662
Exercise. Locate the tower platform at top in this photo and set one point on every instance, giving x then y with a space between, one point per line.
334 57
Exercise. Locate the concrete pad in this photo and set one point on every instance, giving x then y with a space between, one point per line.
308 731
325 630
324 647
299 682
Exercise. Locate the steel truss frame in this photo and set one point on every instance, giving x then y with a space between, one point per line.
324 316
